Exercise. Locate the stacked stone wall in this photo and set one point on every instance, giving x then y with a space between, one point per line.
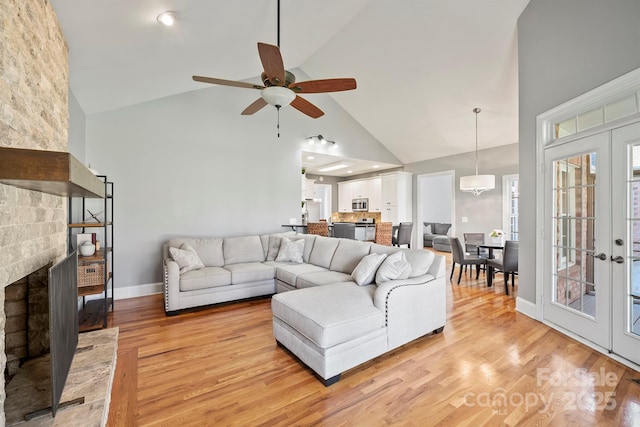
33 114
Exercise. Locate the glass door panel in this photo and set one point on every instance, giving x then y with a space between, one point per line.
625 258
576 295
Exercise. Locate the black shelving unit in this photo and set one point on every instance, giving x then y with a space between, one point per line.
95 273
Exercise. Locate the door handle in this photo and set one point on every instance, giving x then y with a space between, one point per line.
601 256
617 259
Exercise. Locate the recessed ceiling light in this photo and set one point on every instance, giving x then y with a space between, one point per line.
310 157
375 166
349 171
167 18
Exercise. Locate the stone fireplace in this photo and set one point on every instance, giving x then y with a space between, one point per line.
34 115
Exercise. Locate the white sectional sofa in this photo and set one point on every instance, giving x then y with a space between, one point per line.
334 319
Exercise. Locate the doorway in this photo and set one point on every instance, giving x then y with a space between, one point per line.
436 201
589 218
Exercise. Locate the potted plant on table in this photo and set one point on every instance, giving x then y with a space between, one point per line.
497 237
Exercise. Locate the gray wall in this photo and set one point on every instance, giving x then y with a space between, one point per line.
191 165
485 211
565 48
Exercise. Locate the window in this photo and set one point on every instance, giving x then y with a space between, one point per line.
511 196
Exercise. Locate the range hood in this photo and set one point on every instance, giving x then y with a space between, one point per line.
53 172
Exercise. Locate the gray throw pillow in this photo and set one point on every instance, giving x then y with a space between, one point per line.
365 271
186 257
441 229
395 266
291 251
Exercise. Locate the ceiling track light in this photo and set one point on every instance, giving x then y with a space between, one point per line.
319 139
167 18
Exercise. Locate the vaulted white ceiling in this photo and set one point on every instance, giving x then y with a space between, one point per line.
421 65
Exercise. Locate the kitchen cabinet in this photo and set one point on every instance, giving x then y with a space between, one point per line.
344 196
375 195
357 189
396 191
308 187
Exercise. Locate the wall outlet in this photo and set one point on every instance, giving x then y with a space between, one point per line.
465 219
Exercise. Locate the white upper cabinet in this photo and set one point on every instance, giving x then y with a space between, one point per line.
389 194
375 194
396 197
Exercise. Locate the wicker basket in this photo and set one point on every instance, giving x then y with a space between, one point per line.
90 273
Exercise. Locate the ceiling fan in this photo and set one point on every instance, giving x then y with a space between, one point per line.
279 86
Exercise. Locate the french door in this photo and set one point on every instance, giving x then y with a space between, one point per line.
592 224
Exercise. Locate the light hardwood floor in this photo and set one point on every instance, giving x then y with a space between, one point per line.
491 366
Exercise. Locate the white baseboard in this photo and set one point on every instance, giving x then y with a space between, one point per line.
526 307
137 291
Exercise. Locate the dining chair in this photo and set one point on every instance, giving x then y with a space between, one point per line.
508 265
472 242
459 257
319 228
384 233
403 236
345 230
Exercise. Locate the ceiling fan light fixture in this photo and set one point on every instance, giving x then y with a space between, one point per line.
278 96
167 18
476 184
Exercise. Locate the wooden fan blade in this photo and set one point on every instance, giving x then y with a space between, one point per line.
254 107
322 86
226 82
272 63
306 107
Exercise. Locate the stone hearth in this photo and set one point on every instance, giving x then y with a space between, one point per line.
90 377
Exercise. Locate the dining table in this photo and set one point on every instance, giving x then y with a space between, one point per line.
490 247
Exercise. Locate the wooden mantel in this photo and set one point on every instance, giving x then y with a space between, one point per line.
52 172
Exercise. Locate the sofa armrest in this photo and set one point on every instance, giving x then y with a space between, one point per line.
413 307
438 267
171 285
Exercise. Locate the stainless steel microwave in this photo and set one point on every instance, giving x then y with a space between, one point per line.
360 205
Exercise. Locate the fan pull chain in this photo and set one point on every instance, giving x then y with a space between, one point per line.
278 127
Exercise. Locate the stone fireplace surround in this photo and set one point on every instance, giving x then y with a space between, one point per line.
33 114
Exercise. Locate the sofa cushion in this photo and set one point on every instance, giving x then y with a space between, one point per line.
395 266
288 273
242 249
323 250
365 271
348 255
186 257
326 320
208 277
210 251
309 241
250 272
420 261
291 251
441 229
320 278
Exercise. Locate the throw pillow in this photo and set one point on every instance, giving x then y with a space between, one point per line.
274 247
394 267
365 271
427 228
291 251
186 257
442 229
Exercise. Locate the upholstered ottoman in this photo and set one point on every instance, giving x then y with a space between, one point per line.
441 243
330 328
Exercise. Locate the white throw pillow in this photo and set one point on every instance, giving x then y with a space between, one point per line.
291 251
186 257
427 229
394 267
365 271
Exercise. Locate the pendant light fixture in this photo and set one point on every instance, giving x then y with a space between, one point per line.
476 184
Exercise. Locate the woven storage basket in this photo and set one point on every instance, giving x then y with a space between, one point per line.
90 273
